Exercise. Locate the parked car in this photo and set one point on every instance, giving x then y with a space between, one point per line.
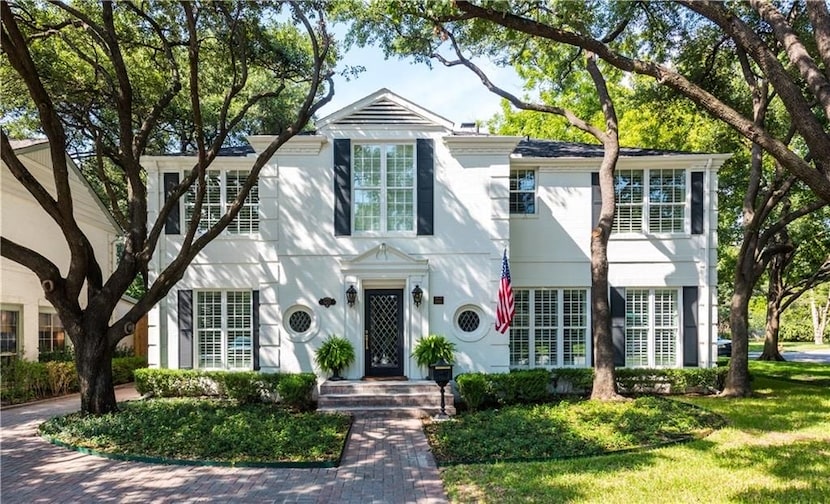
724 347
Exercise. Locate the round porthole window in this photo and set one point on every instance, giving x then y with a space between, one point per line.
468 323
300 323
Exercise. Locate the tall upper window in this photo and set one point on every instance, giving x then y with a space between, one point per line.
221 189
652 328
383 178
224 329
550 328
51 337
9 330
650 201
522 192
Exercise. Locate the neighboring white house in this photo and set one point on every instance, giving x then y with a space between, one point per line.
385 200
28 322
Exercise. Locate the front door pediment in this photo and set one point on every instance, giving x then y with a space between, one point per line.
384 258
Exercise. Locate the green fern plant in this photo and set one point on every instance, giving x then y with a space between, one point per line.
335 354
430 349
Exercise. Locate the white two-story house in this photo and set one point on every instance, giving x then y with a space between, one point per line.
386 225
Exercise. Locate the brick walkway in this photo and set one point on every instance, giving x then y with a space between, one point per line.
387 460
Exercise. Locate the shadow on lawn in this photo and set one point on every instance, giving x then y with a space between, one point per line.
802 468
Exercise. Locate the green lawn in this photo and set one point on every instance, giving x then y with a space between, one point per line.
789 346
776 448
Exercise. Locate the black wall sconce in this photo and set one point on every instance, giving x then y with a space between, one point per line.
417 295
327 301
351 295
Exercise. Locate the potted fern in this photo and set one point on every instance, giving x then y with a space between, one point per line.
430 349
335 354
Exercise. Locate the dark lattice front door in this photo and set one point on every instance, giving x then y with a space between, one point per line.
384 332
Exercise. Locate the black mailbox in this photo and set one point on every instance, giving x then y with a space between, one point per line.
442 374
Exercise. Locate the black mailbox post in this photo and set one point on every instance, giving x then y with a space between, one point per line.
442 373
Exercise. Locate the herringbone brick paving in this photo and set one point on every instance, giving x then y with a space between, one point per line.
387 461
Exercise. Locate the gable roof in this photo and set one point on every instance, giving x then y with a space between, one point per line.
383 107
30 146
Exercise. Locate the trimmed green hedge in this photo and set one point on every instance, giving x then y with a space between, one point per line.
482 390
24 381
294 390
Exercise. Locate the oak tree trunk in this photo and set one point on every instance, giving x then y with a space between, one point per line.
773 327
737 378
93 360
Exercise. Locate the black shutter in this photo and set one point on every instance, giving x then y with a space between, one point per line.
185 329
596 199
690 332
171 226
255 328
342 187
697 202
426 185
617 301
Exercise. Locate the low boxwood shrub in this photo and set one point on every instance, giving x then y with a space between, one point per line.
294 390
472 387
123 368
480 390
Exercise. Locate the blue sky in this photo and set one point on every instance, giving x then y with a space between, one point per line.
454 93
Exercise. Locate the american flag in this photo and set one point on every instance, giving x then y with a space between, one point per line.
506 308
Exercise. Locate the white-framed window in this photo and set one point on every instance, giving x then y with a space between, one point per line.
50 334
221 189
652 328
11 321
550 328
224 329
650 201
523 192
383 184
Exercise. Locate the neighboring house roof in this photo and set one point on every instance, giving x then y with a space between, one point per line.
30 145
385 107
555 149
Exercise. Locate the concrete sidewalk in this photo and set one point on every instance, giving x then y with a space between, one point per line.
387 460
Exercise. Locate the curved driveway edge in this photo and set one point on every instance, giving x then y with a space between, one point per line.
387 460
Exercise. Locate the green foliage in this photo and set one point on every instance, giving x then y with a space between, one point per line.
294 390
63 378
65 355
430 349
206 430
478 390
335 354
24 380
472 387
565 429
240 386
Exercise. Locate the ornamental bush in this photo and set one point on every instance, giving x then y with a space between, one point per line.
294 390
24 380
480 390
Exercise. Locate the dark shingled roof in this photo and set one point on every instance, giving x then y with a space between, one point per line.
232 151
555 149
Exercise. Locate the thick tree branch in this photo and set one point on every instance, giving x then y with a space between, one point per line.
819 182
820 20
796 52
